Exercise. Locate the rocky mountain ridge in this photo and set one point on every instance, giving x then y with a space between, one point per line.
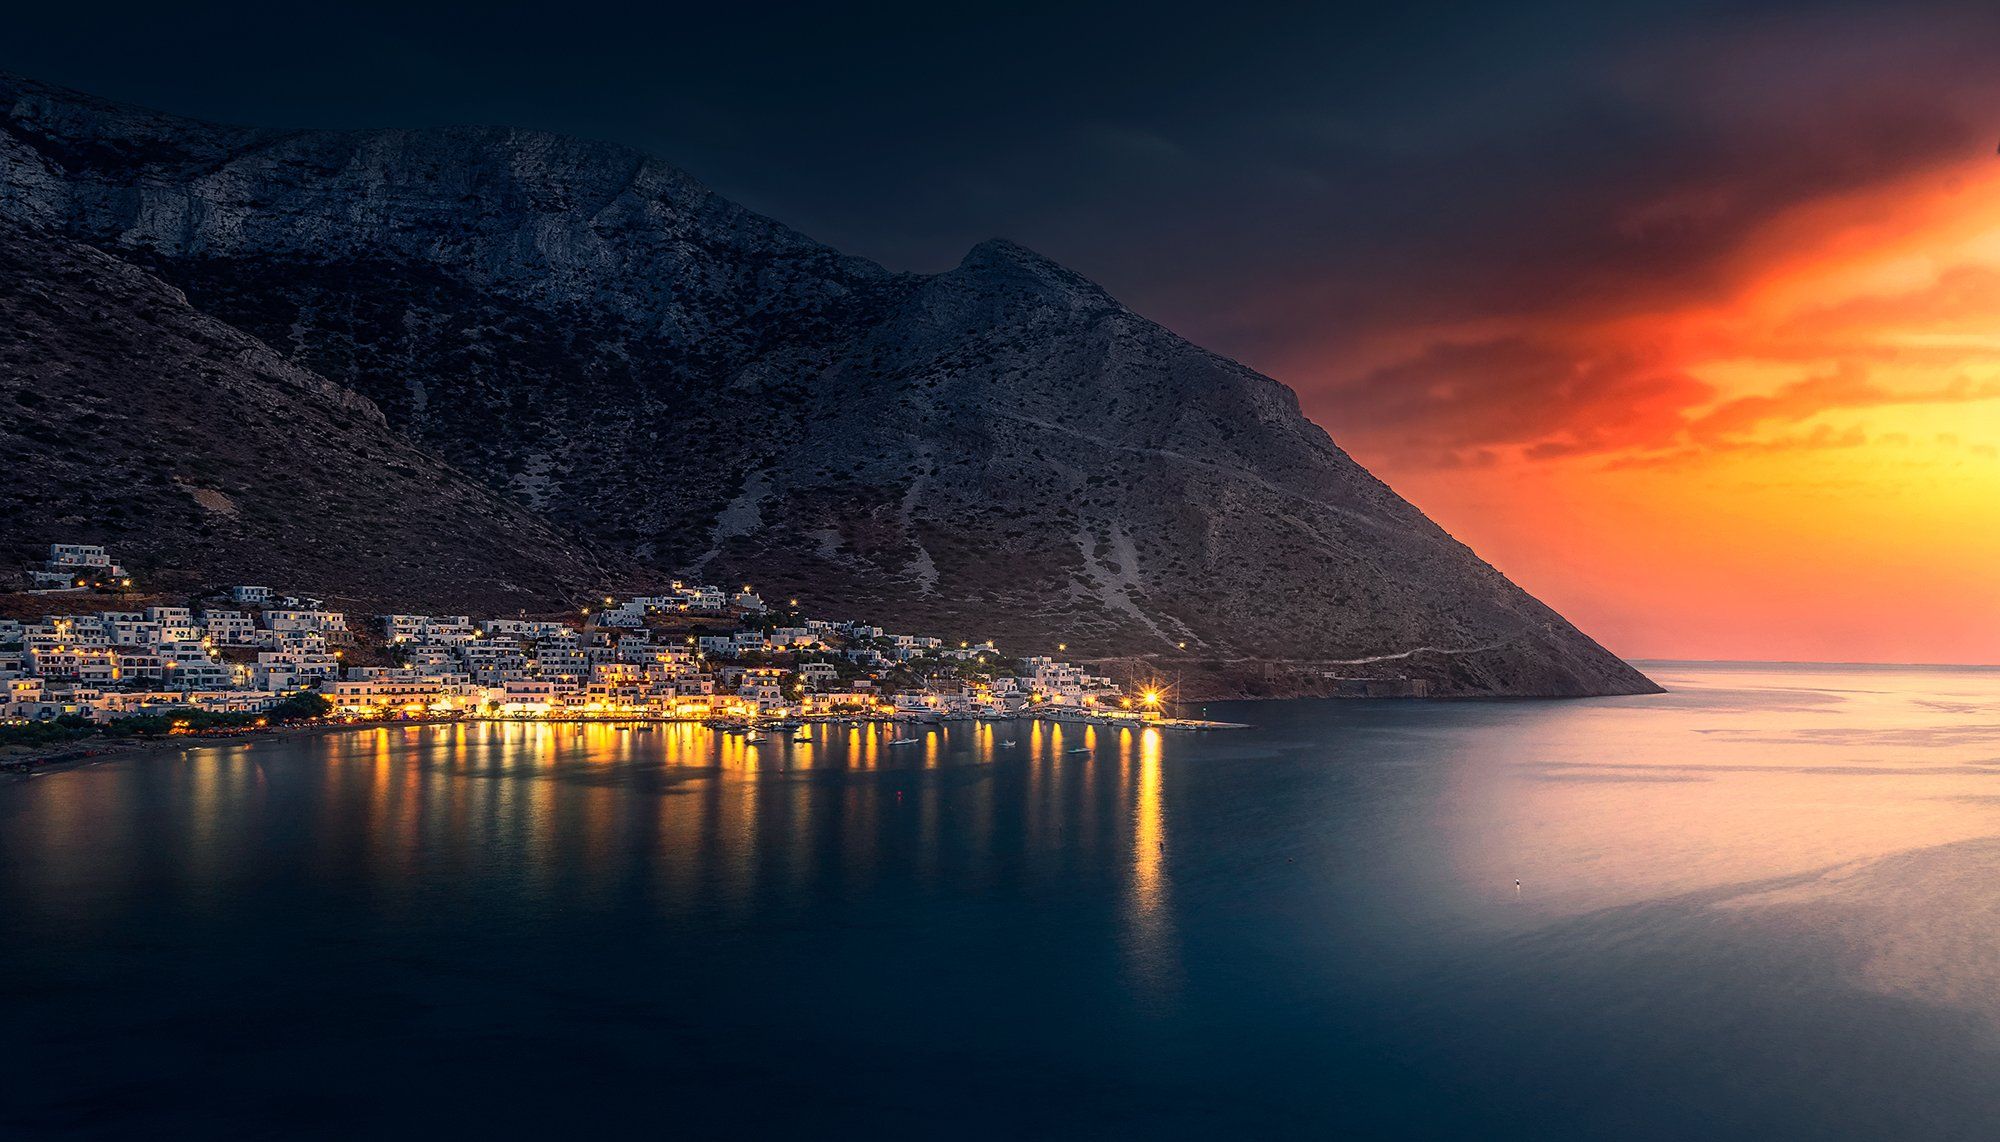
999 450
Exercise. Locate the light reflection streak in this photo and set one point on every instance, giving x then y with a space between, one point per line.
1154 952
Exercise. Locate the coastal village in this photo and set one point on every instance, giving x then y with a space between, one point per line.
692 653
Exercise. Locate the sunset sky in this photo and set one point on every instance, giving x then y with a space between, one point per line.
1686 316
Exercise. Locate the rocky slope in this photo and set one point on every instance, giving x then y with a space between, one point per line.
201 456
1000 450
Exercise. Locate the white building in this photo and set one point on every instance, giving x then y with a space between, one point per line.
229 628
305 620
74 566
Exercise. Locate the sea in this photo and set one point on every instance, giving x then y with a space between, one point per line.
1765 904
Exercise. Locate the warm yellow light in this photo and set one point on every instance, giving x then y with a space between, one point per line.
1151 697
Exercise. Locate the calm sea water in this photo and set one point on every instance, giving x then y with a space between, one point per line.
1766 904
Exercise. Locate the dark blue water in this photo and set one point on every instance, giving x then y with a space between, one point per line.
1764 905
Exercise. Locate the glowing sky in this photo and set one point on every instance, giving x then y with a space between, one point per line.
1684 314
1787 448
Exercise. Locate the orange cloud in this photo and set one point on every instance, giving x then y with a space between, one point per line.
1456 398
1799 460
1846 387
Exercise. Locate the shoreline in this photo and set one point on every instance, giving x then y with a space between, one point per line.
77 753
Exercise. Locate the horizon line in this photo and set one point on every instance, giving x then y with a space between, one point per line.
1812 662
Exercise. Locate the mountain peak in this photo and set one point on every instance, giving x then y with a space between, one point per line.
1008 263
1001 249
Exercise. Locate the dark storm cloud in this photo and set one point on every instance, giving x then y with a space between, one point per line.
1634 171
1279 182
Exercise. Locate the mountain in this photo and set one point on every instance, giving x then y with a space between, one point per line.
999 450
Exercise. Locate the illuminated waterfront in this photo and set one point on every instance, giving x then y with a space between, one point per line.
1756 903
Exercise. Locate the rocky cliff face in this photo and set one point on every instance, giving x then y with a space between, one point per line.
1000 450
203 457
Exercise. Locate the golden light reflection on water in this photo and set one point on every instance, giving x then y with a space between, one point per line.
1154 951
692 817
